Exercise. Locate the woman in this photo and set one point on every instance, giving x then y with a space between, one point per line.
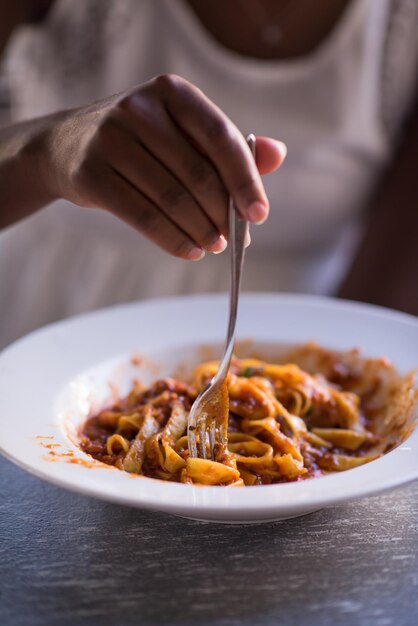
334 80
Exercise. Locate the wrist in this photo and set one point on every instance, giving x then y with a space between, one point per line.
34 158
39 157
26 180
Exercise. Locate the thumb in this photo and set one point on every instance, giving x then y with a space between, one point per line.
269 154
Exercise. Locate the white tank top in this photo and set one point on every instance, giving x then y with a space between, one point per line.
337 109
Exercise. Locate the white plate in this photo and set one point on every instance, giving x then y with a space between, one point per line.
51 379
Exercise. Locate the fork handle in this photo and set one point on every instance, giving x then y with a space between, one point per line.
238 229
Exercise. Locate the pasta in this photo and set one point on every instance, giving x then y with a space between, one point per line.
316 413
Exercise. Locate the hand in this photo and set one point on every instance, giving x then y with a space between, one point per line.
163 158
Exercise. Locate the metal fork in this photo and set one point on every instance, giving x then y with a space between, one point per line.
207 417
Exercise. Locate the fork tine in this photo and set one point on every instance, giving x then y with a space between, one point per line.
191 434
192 443
223 433
212 438
202 435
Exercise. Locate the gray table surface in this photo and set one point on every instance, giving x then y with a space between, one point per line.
68 559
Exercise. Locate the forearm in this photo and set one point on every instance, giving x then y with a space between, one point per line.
385 269
25 179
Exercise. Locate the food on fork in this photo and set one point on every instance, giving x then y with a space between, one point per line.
317 412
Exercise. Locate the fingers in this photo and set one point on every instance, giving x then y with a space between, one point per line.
218 138
153 180
155 130
219 149
126 202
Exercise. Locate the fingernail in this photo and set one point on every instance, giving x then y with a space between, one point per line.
219 245
195 254
282 147
257 213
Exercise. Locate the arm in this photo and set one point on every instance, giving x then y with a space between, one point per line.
385 268
162 157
